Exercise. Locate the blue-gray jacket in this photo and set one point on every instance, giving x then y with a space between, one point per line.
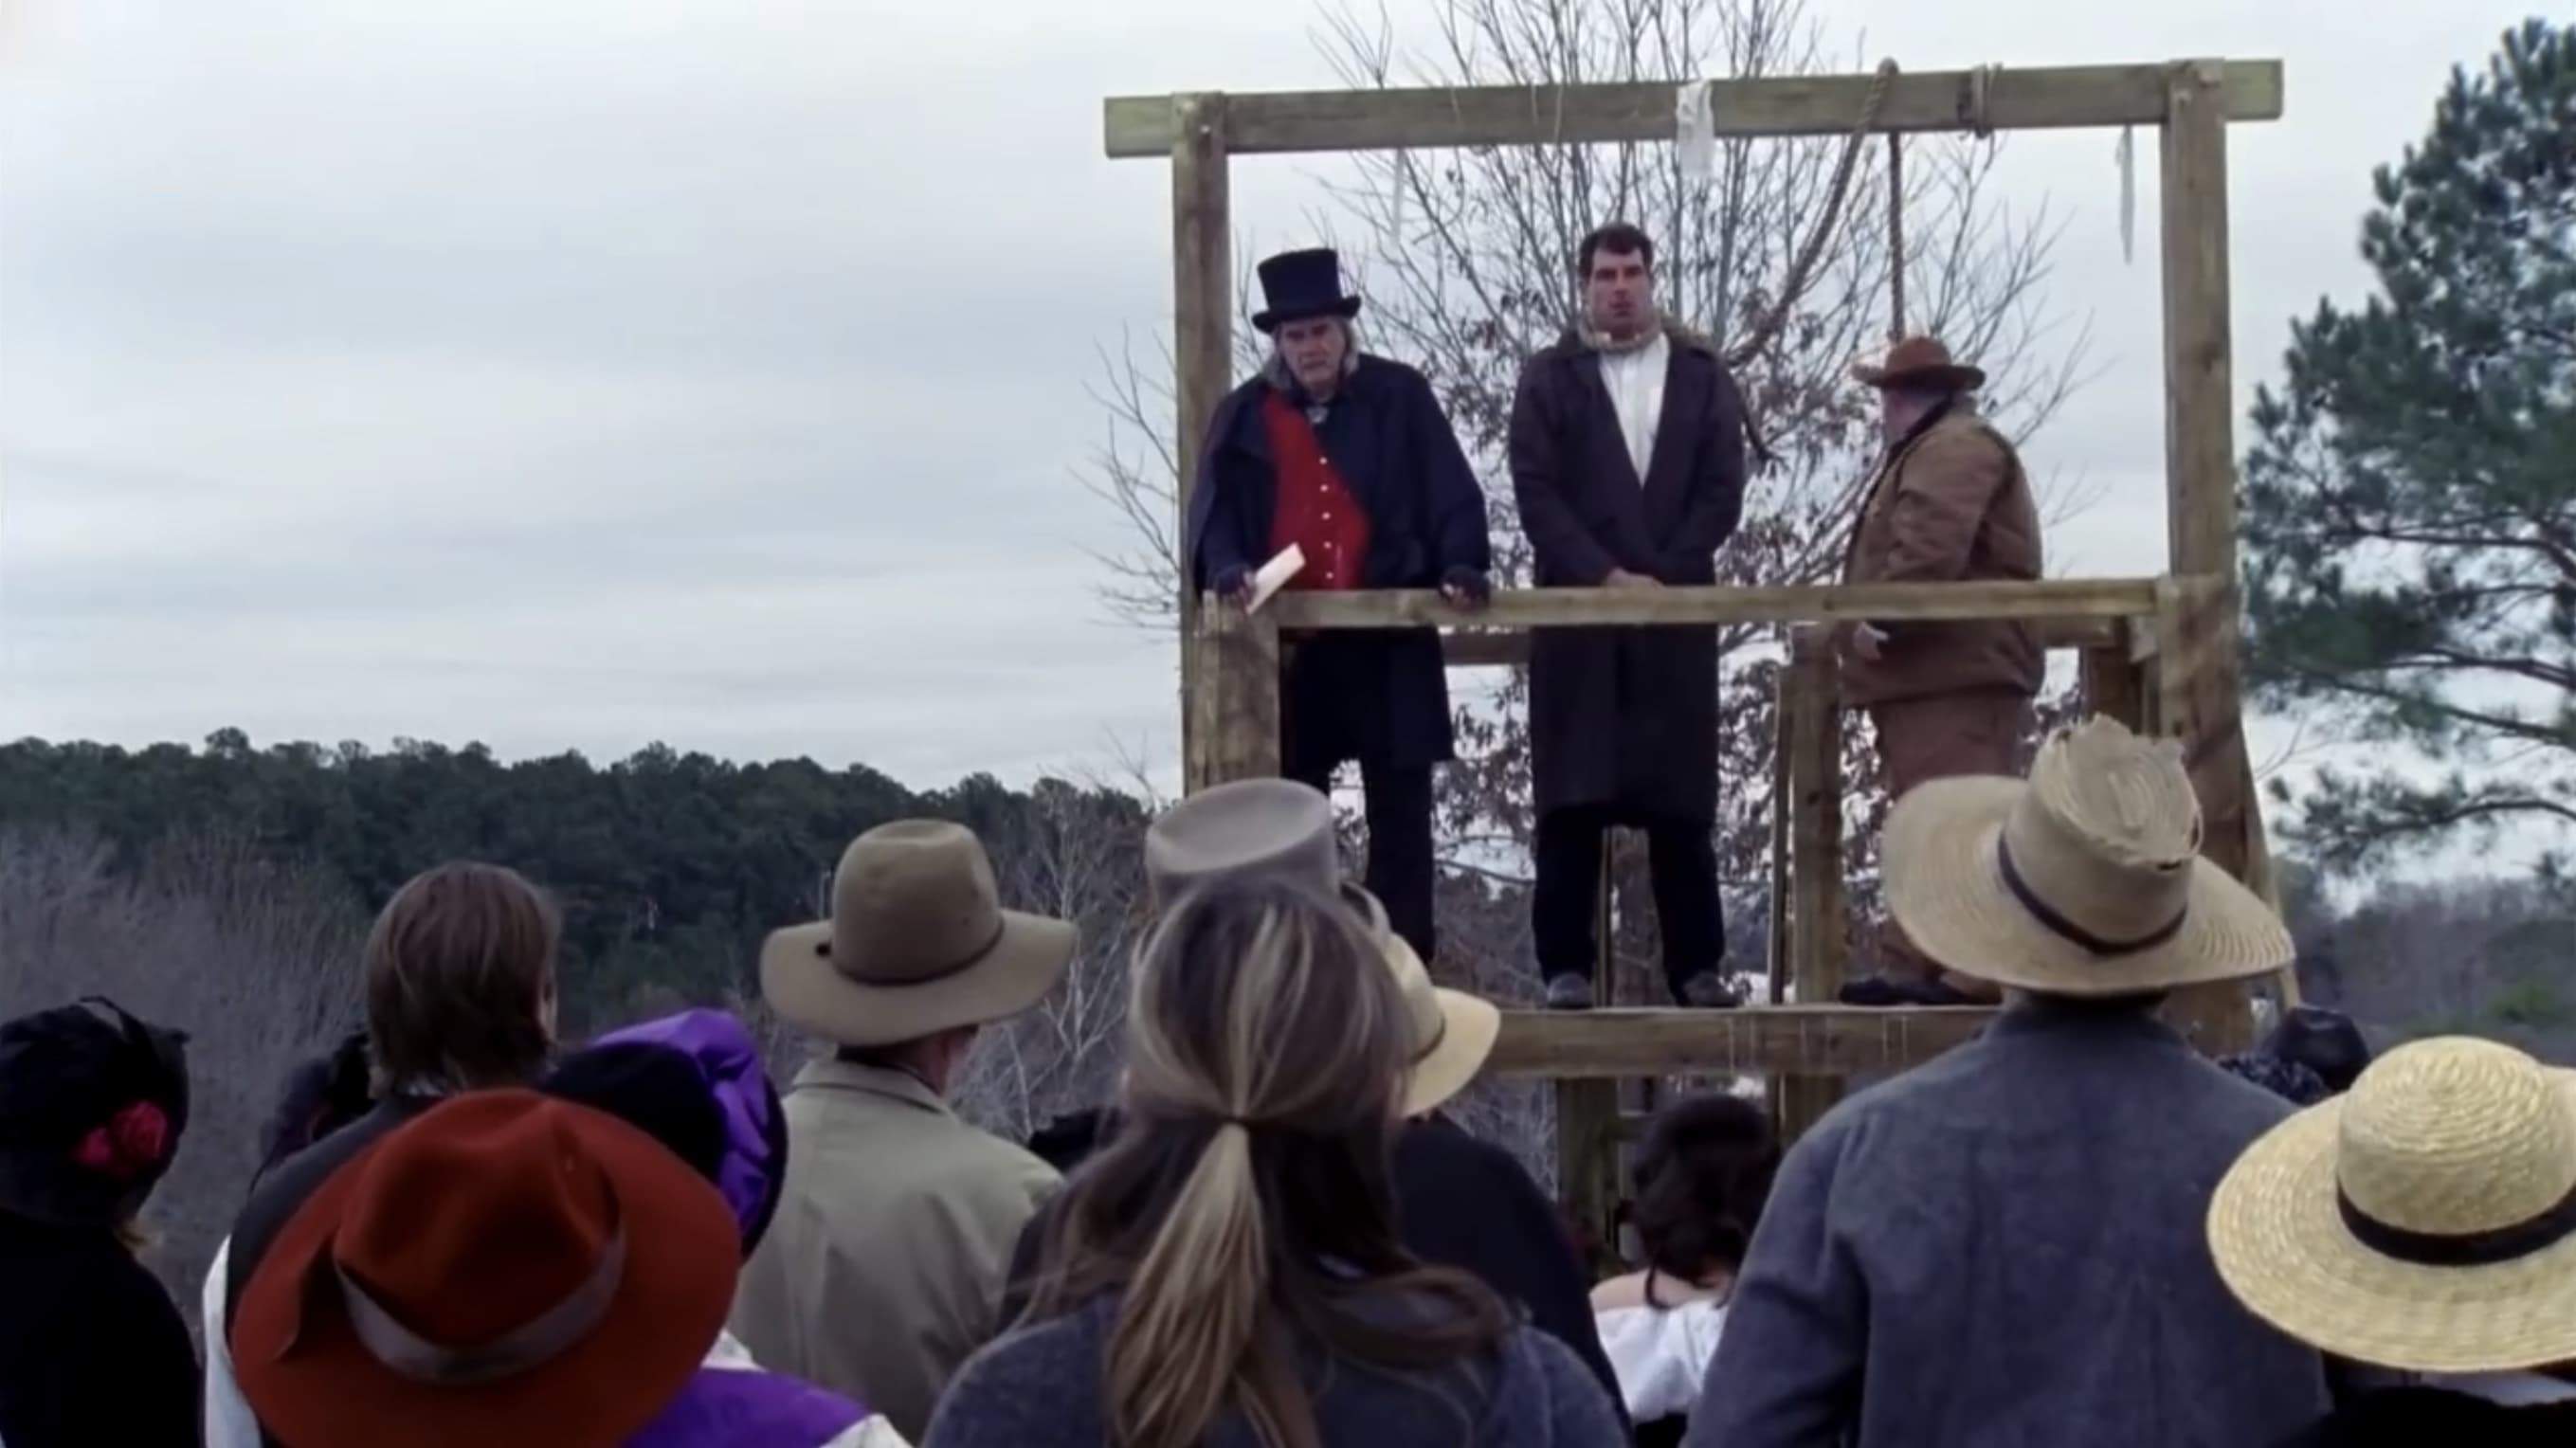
2003 1248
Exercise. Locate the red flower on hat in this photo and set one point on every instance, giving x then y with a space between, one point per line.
129 1144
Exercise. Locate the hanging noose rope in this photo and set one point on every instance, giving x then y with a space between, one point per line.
1895 237
1793 288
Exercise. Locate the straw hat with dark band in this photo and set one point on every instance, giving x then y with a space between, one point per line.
2084 880
918 943
2424 1221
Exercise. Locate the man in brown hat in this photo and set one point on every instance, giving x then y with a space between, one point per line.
1950 502
2004 1245
883 1267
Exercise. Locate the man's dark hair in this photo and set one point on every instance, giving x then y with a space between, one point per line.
1619 238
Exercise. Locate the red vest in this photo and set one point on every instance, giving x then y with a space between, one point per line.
1311 507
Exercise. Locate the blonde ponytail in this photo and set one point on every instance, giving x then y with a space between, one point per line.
1194 1306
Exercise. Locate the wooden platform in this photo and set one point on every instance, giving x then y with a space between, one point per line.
1765 1040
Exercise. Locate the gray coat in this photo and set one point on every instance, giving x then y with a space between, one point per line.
2003 1249
1626 716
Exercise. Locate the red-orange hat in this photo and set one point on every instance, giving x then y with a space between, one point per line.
508 1269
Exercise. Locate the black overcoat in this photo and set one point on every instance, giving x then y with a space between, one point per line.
1375 695
1626 717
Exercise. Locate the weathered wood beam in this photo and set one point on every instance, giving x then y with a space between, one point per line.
1817 105
1801 1039
1202 339
1811 715
1824 603
1487 648
1234 700
2197 617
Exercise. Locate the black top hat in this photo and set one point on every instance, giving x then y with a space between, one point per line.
1302 284
92 1104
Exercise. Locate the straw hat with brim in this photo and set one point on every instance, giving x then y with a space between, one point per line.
2424 1221
2084 880
506 1269
1453 1032
918 943
1279 829
1920 362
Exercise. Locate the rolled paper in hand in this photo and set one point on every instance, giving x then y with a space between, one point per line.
1274 575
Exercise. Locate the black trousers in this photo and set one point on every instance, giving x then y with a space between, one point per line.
1397 803
1683 862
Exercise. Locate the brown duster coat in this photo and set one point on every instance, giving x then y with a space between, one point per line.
1950 503
1626 716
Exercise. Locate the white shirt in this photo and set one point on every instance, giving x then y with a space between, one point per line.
1661 1354
1635 379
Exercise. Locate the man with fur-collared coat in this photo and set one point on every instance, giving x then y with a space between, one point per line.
1628 461
1950 503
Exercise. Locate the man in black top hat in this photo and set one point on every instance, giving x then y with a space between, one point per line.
1347 456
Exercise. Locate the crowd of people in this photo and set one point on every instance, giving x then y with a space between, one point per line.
2073 1229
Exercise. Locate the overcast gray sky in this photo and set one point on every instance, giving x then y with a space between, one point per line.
579 373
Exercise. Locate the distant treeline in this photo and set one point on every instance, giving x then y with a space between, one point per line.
669 866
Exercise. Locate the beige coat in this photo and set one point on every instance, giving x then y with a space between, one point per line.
1952 503
882 1271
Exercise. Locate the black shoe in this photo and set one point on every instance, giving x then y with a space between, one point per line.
1709 991
1877 990
1569 992
1942 993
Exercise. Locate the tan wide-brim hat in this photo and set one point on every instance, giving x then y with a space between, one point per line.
918 943
1453 1032
2424 1221
2084 880
1920 362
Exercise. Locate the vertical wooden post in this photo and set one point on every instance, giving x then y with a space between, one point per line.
1202 356
2111 684
1812 712
2197 637
1587 1110
1233 728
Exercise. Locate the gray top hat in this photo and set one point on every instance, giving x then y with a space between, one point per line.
1250 829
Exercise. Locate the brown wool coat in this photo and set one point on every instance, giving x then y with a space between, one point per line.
1950 503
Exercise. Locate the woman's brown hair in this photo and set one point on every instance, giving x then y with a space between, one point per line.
1245 1208
460 973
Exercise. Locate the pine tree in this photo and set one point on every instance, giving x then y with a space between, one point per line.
2410 505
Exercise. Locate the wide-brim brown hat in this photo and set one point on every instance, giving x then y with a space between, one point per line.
2084 880
918 943
2424 1221
1453 1032
1920 362
505 1270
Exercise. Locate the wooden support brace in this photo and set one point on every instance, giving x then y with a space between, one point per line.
1390 118
1473 648
2060 599
1825 1041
